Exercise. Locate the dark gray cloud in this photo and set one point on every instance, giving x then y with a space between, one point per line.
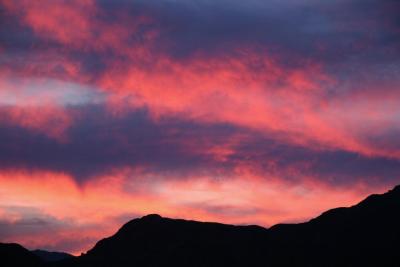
100 143
33 229
29 221
334 33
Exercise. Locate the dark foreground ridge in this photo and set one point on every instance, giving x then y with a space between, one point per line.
49 256
366 234
16 255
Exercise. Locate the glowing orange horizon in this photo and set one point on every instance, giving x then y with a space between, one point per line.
244 200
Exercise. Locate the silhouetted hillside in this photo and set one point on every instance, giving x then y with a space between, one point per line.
14 255
366 234
50 256
156 241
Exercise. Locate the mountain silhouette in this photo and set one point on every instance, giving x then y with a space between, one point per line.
366 234
14 255
156 241
49 256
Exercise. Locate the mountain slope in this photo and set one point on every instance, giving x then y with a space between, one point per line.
156 241
14 255
367 234
50 256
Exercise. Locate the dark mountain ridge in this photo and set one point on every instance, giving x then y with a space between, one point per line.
49 256
16 255
366 234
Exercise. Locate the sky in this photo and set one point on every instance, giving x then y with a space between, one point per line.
241 112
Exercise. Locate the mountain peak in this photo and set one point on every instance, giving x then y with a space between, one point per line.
396 189
152 217
366 234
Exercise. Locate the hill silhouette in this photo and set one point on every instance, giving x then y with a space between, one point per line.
366 234
49 256
14 255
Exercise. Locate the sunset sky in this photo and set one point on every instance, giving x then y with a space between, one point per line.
241 112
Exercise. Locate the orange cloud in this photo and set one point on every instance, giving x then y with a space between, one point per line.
87 211
247 87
